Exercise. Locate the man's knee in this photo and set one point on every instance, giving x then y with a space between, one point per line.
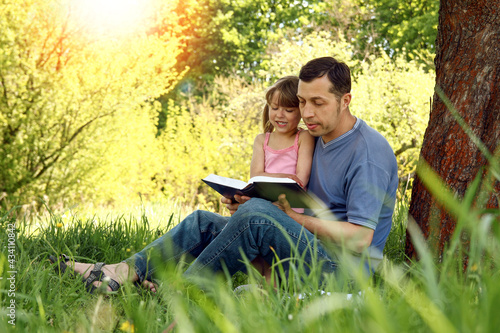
258 213
201 221
256 205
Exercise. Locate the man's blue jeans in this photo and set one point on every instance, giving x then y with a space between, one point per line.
258 228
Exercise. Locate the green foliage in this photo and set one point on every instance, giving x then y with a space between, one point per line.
289 55
349 18
396 241
76 109
213 136
393 96
408 24
79 131
223 36
399 25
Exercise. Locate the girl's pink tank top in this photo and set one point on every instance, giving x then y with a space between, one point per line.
283 160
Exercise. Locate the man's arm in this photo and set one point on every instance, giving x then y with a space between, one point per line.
355 237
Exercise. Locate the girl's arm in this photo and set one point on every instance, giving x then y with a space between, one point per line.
257 164
304 162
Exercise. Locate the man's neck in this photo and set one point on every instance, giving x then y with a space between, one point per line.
346 123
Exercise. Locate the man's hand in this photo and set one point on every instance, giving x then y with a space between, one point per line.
283 204
233 206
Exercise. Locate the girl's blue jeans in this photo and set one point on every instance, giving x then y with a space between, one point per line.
258 228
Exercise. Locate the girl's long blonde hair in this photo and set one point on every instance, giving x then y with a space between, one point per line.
287 87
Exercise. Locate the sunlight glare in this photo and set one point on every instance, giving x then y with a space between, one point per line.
112 16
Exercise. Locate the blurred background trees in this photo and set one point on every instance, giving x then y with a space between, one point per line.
106 112
77 106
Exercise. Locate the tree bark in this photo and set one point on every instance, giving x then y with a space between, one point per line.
468 71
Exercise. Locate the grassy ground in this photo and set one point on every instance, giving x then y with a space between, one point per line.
420 297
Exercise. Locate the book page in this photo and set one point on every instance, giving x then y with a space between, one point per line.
234 183
267 179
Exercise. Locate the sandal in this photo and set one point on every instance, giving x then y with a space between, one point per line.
95 275
98 275
61 266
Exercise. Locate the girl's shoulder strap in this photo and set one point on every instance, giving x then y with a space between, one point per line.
296 143
266 140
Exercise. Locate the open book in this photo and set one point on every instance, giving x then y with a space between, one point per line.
264 187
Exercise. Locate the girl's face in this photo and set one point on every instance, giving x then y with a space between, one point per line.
284 119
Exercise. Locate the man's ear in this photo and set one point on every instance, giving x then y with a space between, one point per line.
346 100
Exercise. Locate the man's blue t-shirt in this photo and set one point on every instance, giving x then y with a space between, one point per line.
356 176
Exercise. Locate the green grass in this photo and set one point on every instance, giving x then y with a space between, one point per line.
418 297
426 296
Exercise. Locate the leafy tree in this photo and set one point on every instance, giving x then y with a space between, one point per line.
223 36
411 24
287 56
396 25
210 136
66 93
390 25
346 18
393 96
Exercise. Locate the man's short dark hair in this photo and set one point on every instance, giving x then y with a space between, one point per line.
338 73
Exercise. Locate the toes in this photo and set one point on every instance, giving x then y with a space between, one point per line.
149 285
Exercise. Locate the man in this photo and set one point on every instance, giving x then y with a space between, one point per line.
354 172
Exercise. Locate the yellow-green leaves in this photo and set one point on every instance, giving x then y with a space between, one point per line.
393 96
74 107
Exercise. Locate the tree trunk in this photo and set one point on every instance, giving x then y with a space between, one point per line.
468 71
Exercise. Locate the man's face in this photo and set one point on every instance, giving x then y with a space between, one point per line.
323 113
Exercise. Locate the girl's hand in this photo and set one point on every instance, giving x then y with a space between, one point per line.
281 175
294 177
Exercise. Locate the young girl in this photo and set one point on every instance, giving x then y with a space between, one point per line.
283 150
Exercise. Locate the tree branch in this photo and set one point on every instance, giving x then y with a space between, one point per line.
406 146
57 153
